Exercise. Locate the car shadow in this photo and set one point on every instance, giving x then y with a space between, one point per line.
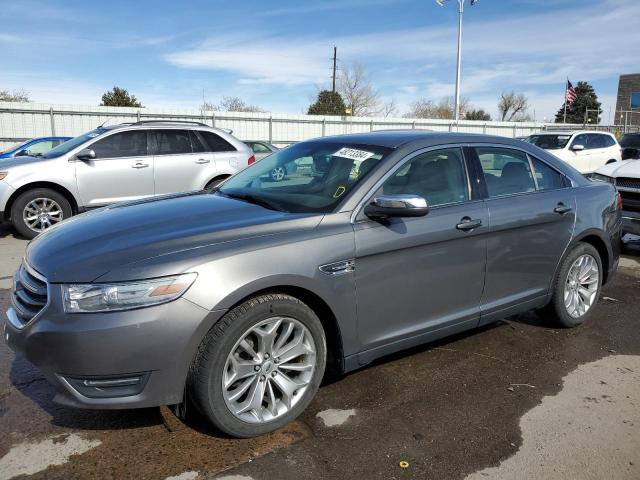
6 230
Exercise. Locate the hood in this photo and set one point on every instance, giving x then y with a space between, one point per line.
85 247
626 168
18 161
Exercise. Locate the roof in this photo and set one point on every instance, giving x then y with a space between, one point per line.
568 132
397 138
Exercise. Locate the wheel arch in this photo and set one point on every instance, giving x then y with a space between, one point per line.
33 185
221 176
596 239
335 350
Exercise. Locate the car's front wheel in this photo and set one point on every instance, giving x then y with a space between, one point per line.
259 367
36 210
576 287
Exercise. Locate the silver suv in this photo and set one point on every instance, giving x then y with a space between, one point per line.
116 163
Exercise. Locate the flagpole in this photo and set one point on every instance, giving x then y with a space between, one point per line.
566 86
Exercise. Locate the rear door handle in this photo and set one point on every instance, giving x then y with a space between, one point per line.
139 165
467 224
200 161
561 209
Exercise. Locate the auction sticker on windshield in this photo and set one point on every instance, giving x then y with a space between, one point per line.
353 154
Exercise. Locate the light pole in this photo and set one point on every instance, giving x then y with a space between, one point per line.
459 64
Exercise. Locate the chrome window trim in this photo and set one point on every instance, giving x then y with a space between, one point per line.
367 197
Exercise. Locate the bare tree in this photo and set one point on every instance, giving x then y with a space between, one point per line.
444 109
389 109
513 107
15 96
231 104
357 91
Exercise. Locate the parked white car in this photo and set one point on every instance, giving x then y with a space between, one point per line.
626 177
584 150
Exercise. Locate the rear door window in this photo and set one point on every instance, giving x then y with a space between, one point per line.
124 144
197 145
506 171
596 141
172 142
546 177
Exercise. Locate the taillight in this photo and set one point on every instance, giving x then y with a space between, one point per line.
252 159
619 201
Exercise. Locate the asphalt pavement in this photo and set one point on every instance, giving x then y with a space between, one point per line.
516 399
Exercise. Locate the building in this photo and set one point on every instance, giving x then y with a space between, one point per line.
628 104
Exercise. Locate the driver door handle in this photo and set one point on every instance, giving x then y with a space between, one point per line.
200 161
467 224
139 165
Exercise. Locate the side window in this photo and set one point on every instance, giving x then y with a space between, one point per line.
215 143
124 144
172 142
608 141
197 145
581 140
596 141
260 148
438 176
40 147
505 171
546 177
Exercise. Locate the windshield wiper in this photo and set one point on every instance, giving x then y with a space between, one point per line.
247 197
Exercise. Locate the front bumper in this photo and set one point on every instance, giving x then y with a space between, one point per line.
631 222
6 191
156 344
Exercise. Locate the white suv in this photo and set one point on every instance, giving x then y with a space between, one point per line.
113 164
585 151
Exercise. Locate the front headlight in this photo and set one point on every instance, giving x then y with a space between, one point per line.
3 175
109 297
597 177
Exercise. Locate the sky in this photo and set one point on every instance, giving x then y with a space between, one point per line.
277 54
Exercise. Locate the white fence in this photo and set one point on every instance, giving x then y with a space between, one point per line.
20 121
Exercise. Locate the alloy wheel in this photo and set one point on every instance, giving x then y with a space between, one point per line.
277 174
269 369
581 286
41 213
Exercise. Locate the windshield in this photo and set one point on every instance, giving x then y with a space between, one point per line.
13 147
307 177
630 141
69 145
549 142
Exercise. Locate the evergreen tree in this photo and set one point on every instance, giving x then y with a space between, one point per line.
327 103
586 100
119 97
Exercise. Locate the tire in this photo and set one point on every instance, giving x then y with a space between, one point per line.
209 187
43 200
278 174
213 364
557 311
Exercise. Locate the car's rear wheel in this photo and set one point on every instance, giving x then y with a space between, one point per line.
576 287
36 210
259 367
278 174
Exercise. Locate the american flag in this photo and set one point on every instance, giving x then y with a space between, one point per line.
570 96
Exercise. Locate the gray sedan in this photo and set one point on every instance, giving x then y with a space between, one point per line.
242 300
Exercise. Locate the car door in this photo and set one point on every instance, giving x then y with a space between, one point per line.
228 160
598 152
532 214
121 170
181 161
580 159
421 278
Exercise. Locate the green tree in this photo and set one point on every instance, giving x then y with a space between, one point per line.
327 103
586 101
477 115
119 97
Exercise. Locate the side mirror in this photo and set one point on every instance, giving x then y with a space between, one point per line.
22 153
577 148
86 154
386 206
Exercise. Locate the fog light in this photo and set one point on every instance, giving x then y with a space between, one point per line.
109 387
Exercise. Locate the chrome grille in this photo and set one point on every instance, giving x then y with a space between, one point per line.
30 294
625 182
